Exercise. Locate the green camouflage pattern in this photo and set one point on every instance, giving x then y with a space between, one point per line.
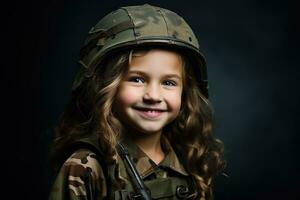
80 174
81 177
145 166
136 26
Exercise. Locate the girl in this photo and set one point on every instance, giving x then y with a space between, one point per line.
141 86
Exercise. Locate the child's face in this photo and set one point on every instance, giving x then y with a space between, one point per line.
149 97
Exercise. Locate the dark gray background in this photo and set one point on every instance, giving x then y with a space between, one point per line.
251 49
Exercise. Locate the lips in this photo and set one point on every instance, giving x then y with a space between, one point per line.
149 113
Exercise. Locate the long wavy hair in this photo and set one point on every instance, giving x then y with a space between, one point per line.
90 111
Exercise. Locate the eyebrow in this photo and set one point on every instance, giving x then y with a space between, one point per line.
146 75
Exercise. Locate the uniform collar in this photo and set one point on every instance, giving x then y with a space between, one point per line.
146 166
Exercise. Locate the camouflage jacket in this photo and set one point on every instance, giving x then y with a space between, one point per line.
81 177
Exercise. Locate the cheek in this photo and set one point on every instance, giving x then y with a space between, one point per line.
174 101
126 96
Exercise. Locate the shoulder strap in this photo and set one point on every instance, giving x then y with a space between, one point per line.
141 191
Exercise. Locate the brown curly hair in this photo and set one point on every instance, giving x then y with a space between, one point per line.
90 111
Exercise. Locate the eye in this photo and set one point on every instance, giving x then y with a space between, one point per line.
136 79
169 83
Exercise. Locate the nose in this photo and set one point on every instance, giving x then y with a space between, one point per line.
152 94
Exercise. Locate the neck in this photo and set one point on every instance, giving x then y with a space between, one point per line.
150 144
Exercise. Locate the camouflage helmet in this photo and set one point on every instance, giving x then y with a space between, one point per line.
136 26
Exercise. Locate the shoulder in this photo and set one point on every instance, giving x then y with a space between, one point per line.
81 163
80 175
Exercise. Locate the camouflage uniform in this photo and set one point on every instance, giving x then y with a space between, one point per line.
81 177
80 174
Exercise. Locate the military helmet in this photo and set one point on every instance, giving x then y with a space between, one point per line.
138 26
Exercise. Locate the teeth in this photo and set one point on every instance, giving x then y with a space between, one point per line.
147 110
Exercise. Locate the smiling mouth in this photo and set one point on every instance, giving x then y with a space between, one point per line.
149 113
150 109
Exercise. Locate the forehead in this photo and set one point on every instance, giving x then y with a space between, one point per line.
156 60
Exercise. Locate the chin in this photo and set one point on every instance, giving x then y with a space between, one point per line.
149 130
